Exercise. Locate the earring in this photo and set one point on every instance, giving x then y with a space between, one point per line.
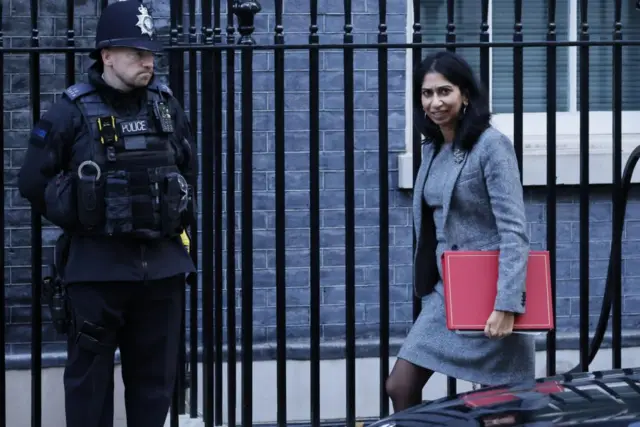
464 109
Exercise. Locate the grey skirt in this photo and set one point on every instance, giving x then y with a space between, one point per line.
473 358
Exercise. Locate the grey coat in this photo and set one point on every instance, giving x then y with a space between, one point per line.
487 214
478 205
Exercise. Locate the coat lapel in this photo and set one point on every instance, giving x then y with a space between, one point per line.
460 157
418 187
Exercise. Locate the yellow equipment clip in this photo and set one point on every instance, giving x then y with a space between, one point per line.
186 242
101 128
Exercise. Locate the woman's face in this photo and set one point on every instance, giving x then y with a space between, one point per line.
441 99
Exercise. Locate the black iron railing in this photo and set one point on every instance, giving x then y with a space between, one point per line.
209 56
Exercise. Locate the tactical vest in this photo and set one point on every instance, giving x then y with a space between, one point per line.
127 180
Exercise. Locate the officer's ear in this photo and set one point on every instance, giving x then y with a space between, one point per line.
107 56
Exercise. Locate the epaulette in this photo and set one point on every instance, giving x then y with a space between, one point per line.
77 90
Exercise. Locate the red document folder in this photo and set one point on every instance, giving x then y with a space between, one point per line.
470 287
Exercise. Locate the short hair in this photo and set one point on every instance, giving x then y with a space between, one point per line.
477 117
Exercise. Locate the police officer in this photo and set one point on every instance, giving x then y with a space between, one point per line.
110 163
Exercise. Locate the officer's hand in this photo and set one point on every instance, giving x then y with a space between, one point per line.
499 324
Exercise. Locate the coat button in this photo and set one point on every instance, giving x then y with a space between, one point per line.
454 247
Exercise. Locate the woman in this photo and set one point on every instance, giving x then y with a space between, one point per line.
467 196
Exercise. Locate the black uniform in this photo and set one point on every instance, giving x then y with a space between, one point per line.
111 169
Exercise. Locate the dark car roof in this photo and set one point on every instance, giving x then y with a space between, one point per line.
604 398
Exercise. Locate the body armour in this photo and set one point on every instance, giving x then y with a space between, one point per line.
127 181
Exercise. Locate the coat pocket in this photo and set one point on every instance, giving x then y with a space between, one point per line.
492 245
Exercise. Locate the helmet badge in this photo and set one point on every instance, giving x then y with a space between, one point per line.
145 22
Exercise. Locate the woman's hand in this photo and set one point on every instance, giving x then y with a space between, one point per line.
499 324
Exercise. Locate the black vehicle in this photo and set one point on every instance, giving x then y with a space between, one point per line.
605 398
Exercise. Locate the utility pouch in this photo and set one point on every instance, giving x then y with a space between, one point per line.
90 192
54 290
118 203
189 215
174 201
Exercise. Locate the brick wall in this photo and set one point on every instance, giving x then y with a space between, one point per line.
52 27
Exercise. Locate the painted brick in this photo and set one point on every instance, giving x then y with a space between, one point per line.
52 30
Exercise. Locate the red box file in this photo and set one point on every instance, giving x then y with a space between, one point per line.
470 288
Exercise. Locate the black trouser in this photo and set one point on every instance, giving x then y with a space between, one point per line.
143 319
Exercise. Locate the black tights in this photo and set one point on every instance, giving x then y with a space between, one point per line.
405 383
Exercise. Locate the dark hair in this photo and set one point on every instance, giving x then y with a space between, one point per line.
477 116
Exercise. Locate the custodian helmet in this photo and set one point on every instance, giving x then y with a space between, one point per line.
126 24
